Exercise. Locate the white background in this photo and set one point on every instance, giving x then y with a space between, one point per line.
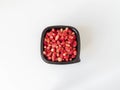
21 25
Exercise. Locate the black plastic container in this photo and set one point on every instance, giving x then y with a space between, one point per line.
76 59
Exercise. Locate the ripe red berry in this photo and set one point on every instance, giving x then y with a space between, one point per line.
59 59
57 37
74 43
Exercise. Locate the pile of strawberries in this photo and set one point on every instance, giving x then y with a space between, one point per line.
60 45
